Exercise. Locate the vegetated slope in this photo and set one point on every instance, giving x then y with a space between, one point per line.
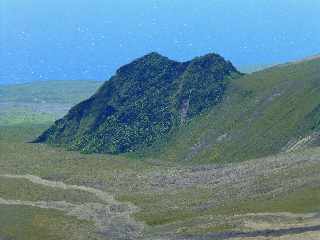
263 113
174 200
145 101
254 67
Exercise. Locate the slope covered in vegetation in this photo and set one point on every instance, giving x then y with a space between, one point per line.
198 111
263 113
275 197
145 101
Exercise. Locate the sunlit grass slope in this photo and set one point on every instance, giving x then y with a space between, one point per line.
262 113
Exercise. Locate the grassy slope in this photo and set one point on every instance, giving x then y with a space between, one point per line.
27 191
19 157
144 100
25 223
166 210
261 113
178 209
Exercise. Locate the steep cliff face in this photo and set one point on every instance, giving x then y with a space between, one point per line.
143 102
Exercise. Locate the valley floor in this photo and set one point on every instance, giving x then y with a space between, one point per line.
50 193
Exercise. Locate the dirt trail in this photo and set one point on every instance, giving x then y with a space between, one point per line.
112 219
37 180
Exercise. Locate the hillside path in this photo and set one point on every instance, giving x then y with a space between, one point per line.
112 218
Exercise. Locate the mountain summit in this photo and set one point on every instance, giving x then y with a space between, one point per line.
144 101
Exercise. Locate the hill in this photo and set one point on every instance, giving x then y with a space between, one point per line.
263 113
50 193
254 115
144 102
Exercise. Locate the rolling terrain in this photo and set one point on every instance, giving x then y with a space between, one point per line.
143 102
113 197
41 101
221 115
248 168
264 113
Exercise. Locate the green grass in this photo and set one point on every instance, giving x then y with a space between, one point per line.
141 103
260 114
16 115
121 175
25 223
304 200
21 189
180 206
207 228
17 156
255 129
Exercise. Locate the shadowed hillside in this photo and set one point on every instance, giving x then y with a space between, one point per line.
145 101
192 112
263 113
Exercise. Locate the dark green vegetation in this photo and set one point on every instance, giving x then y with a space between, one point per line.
198 111
172 199
266 112
144 102
261 114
